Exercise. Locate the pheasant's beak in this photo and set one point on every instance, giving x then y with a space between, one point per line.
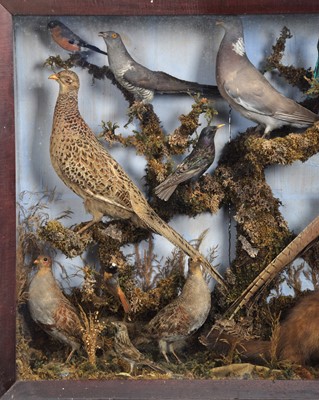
54 76
220 126
36 262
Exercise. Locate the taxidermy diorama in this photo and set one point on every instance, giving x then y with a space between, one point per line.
140 313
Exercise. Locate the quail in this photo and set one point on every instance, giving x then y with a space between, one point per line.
125 349
50 309
184 315
141 81
87 168
248 91
194 165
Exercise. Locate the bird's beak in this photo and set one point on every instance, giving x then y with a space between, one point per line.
54 76
219 22
220 126
36 262
102 34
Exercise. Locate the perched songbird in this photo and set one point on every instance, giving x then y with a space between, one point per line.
248 91
141 81
125 349
50 309
68 40
194 165
112 284
184 315
87 168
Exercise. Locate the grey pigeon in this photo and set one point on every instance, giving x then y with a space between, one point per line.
195 164
141 81
248 91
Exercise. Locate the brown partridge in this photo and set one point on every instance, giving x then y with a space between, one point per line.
50 309
125 349
184 315
87 168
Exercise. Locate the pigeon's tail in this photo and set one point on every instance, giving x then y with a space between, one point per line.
165 190
94 48
307 236
154 222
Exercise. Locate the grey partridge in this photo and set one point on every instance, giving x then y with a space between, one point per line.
248 91
143 82
125 349
195 164
50 309
87 168
184 315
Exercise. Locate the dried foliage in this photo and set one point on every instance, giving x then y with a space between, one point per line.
148 281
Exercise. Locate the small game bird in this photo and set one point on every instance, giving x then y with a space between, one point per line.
50 309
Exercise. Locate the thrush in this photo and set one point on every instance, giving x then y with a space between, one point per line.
50 309
87 168
184 315
193 166
125 349
68 40
248 91
141 81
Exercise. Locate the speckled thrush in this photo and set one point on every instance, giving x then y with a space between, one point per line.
50 309
87 168
125 349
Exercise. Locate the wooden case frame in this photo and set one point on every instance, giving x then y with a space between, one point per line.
117 389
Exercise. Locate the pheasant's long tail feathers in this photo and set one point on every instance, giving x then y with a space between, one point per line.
289 253
154 222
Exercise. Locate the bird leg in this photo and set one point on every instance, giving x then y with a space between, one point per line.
163 348
70 355
171 349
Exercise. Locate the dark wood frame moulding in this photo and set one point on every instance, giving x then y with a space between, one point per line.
117 389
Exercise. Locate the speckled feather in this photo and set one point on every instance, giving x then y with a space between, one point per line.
195 164
184 315
125 349
87 168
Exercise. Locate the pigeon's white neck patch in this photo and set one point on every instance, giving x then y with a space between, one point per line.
239 47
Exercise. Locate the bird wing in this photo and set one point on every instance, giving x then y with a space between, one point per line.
255 94
182 173
160 81
67 320
172 320
250 96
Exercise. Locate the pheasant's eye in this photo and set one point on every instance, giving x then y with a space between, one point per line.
114 35
45 259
